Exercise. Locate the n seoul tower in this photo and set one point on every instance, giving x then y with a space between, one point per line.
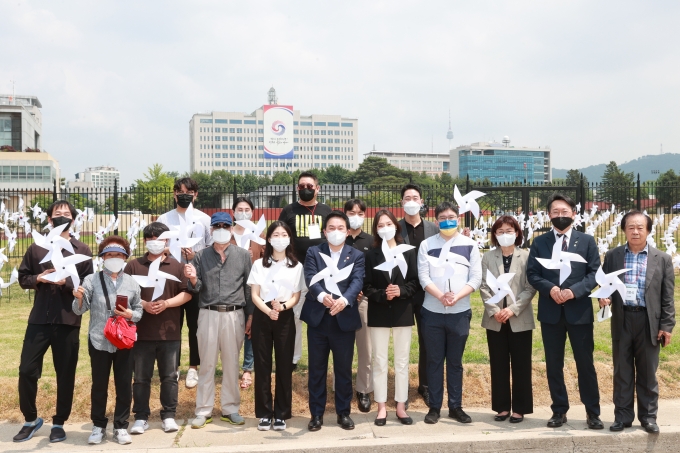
449 134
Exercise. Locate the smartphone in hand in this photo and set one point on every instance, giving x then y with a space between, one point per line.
121 302
662 341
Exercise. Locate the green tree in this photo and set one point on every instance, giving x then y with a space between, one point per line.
282 178
617 187
154 192
376 171
668 189
574 178
335 174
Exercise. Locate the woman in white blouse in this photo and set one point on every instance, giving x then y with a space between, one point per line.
276 281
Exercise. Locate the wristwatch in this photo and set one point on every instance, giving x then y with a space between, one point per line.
284 306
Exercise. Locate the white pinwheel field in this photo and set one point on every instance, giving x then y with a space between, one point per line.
609 283
253 231
274 281
65 266
155 279
500 287
331 276
14 276
447 260
561 260
468 202
394 257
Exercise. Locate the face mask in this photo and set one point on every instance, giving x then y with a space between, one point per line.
356 222
336 237
387 233
59 221
412 207
155 247
561 223
280 244
221 236
242 215
184 200
447 227
306 194
506 240
114 265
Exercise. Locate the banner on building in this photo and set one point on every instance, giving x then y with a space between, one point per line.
278 131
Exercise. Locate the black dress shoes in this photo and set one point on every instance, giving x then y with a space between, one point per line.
315 423
501 418
557 420
381 421
618 426
405 420
519 419
425 393
594 421
432 417
459 415
651 428
345 422
364 402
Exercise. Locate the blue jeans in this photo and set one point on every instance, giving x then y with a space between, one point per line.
445 338
248 359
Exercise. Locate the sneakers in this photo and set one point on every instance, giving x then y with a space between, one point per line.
121 436
57 434
97 435
139 427
192 378
265 424
279 425
200 421
169 425
234 419
26 432
432 417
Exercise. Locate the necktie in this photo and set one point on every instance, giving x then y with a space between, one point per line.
565 245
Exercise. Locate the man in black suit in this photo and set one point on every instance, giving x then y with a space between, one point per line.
567 309
639 323
332 320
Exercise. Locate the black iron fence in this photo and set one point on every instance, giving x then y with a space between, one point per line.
527 202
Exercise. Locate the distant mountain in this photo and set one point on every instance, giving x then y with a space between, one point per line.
643 165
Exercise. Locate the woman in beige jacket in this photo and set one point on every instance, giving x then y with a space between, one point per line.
509 324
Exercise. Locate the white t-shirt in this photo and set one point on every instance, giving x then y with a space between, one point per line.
171 218
295 275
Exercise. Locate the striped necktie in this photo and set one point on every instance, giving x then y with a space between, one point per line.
565 244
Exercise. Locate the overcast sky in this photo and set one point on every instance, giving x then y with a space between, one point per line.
120 80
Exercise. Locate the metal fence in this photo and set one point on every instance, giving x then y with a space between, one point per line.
661 202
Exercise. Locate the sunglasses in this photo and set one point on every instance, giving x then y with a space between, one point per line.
306 186
221 225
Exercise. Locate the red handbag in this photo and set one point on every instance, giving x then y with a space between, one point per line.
120 331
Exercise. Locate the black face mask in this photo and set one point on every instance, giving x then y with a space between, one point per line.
561 223
306 194
59 221
184 200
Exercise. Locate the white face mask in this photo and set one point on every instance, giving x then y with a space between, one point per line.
387 233
507 239
114 265
412 207
280 244
221 236
336 237
242 215
356 222
155 247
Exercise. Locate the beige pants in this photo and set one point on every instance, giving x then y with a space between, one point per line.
364 382
219 335
380 338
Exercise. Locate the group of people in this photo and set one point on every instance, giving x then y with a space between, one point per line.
353 288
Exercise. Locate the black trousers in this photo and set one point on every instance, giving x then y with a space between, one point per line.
191 309
279 335
422 351
65 343
582 344
146 354
505 348
122 376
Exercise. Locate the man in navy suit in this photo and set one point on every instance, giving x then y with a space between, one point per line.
332 320
567 309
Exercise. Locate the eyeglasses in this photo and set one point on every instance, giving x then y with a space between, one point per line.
306 186
442 219
221 225
191 192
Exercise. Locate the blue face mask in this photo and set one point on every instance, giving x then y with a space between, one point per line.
448 224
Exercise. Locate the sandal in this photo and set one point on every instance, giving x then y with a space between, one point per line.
246 380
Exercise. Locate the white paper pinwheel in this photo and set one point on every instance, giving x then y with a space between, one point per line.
500 287
65 266
11 237
604 313
609 283
52 241
468 202
561 260
331 276
252 231
155 279
194 227
14 276
3 258
274 281
447 260
179 238
394 257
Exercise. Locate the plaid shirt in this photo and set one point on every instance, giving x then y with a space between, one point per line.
637 262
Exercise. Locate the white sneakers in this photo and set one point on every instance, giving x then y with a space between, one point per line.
169 425
192 378
265 424
121 436
97 435
139 427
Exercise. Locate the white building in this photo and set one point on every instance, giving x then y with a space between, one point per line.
233 141
95 178
20 122
430 163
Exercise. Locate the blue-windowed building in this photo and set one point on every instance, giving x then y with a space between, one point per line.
502 163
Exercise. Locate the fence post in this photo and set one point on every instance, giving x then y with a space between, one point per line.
352 194
468 214
639 194
54 190
235 194
115 203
